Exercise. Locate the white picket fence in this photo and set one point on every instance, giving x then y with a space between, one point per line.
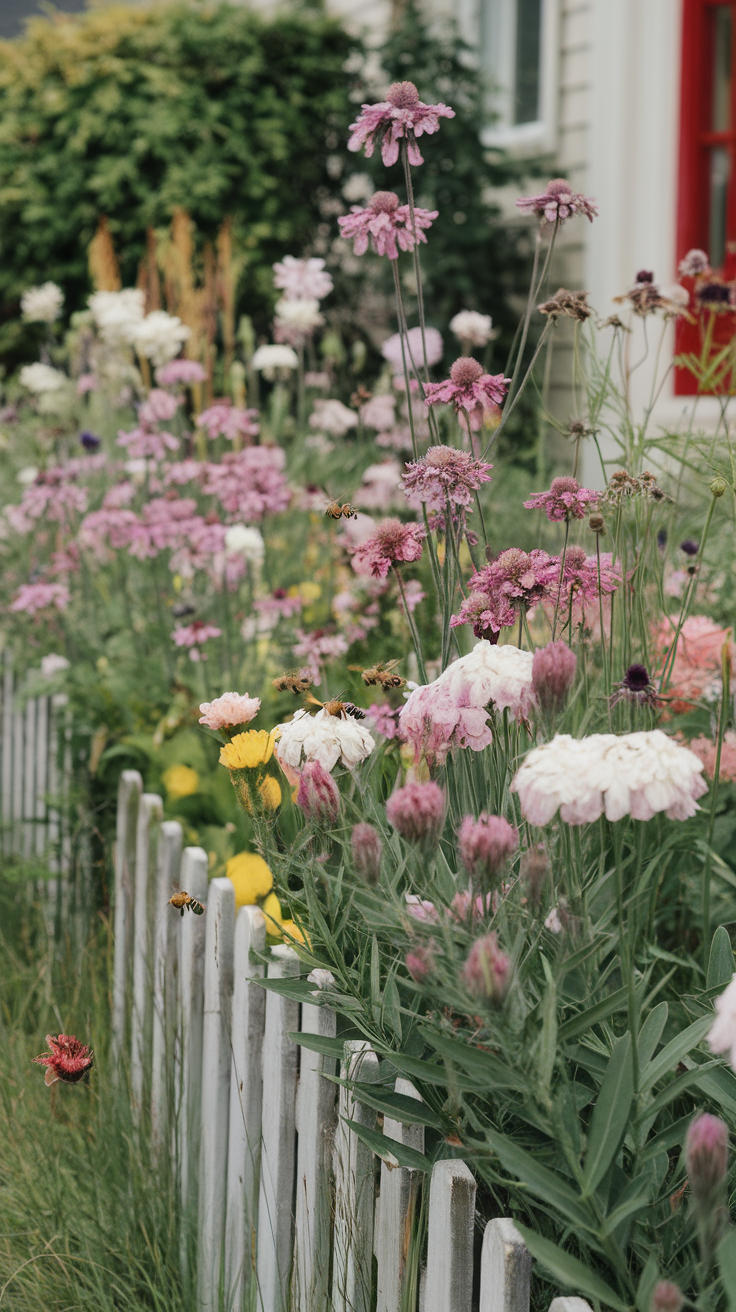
278 1190
35 768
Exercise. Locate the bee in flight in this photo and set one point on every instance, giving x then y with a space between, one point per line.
182 900
296 681
339 708
344 511
383 673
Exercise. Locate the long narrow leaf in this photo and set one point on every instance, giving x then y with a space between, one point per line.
610 1114
570 1271
390 1150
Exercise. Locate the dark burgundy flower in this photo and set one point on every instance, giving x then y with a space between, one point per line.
636 686
69 1060
90 441
689 547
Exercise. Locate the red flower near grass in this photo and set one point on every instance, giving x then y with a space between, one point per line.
68 1061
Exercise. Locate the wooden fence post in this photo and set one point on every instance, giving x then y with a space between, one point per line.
218 991
505 1269
129 793
246 1075
449 1281
188 1049
150 811
354 1188
277 1138
395 1212
164 925
315 1121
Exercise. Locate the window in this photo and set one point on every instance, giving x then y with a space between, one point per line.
706 211
518 46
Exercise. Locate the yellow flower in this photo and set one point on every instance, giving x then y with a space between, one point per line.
293 932
180 781
250 877
247 750
271 909
270 792
308 591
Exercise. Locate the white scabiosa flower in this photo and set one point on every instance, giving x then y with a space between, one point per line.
243 540
473 328
270 358
42 304
40 378
324 738
160 336
117 315
302 316
331 416
722 1033
636 774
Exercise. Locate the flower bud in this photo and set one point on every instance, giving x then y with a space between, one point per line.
553 673
318 795
666 1298
367 849
706 1157
718 486
417 812
597 524
487 971
534 868
485 845
420 961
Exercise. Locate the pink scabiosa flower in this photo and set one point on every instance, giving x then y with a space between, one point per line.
470 389
180 373
68 1061
302 280
230 711
565 500
553 674
367 849
413 348
445 474
485 846
392 543
383 720
402 115
194 636
722 1033
249 483
558 203
33 597
229 421
386 224
496 593
706 1158
316 648
318 795
487 970
707 750
420 961
579 580
417 812
667 1297
694 264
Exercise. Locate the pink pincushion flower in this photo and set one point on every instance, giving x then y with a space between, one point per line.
694 264
52 496
279 605
249 483
226 420
392 543
558 203
576 583
517 579
316 648
143 442
184 471
302 280
69 1060
470 389
565 500
180 373
553 674
386 224
444 474
109 527
32 597
194 634
707 751
158 407
379 412
402 115
487 971
485 845
383 720
417 812
229 711
318 795
413 348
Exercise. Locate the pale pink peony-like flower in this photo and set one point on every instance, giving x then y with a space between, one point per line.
225 420
558 203
469 389
565 500
391 351
445 474
33 597
485 845
707 750
318 795
472 328
392 543
386 225
706 1158
367 849
402 115
722 1033
331 416
379 412
229 711
417 812
302 280
487 971
696 670
553 674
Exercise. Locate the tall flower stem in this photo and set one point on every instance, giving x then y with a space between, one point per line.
687 602
412 626
722 716
562 573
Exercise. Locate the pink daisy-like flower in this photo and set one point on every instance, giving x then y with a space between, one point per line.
225 420
401 115
180 373
32 597
302 280
193 636
558 203
565 500
229 711
445 474
392 543
386 224
468 389
69 1060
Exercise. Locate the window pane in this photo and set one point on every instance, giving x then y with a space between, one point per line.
721 108
719 175
526 87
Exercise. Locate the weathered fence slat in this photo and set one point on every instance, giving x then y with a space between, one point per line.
7 755
193 876
150 810
505 1269
449 1281
129 794
41 781
278 1139
218 992
17 816
246 1075
29 777
167 879
354 1188
395 1211
315 1119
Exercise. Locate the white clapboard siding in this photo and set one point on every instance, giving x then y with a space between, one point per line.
449 1281
188 1049
315 1124
150 810
129 794
396 1209
505 1269
164 976
354 1188
246 1076
278 1130
218 993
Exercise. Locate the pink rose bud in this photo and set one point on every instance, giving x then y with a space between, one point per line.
487 971
553 674
666 1298
367 849
417 812
420 962
318 795
485 845
706 1157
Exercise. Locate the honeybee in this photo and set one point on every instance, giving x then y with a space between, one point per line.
182 900
295 681
344 511
383 673
339 708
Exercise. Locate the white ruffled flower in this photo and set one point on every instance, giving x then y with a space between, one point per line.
636 774
721 1036
53 664
358 187
118 314
242 540
324 979
27 475
469 326
331 416
324 738
302 316
489 673
160 337
269 358
40 378
42 304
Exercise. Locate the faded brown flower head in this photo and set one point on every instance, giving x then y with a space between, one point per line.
597 524
567 305
613 321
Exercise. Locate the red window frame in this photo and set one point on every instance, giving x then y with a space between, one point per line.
696 140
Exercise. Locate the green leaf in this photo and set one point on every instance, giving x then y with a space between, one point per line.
554 1191
673 1053
720 961
319 1043
548 1041
586 1019
569 1270
610 1114
634 1198
391 1011
726 1253
719 1083
410 1111
649 1278
651 1033
375 980
416 1068
483 1065
673 1090
390 1150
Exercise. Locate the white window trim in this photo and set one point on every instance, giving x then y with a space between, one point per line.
539 137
